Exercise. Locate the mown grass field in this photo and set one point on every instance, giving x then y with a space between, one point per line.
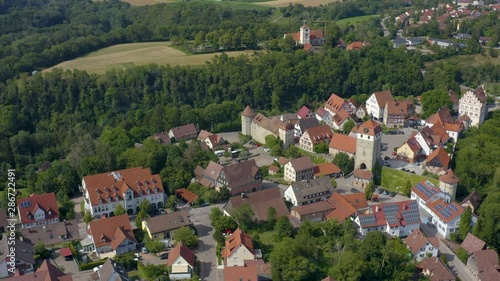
470 60
393 179
355 20
241 3
134 54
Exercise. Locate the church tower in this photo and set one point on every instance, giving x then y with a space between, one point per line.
368 143
448 183
305 34
246 121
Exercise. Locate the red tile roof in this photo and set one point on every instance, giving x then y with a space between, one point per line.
46 272
187 195
357 45
438 206
357 200
184 131
316 207
453 127
111 186
341 116
413 145
204 134
111 231
472 243
319 134
343 143
343 209
335 103
487 264
369 127
307 47
302 163
183 251
273 168
66 252
325 169
402 214
45 202
237 273
363 174
397 108
328 278
416 241
383 97
248 112
441 156
235 240
449 177
303 112
442 116
437 269
439 131
316 34
321 112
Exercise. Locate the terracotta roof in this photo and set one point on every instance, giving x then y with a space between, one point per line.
30 205
453 127
335 103
111 231
441 156
363 174
204 134
449 177
343 209
383 97
184 131
425 190
474 198
442 116
273 168
472 243
304 189
413 145
183 251
416 241
248 112
343 143
111 186
235 240
326 169
358 200
319 134
237 273
341 116
393 214
187 195
445 211
282 161
316 207
46 272
66 252
487 264
260 201
465 117
316 34
321 112
438 270
439 132
303 112
163 138
3 218
357 45
270 124
302 163
369 127
168 222
213 170
397 108
307 47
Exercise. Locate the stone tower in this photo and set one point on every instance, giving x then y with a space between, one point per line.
368 142
448 183
286 133
305 34
246 121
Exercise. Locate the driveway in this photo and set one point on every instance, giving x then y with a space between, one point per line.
206 244
393 141
82 226
454 263
70 267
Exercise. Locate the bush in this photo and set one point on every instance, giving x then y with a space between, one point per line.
127 261
92 264
462 254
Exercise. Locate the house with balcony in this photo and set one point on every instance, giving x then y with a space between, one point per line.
129 187
112 235
38 209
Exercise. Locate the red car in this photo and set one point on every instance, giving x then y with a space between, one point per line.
394 153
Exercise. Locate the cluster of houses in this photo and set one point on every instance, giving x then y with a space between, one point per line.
462 10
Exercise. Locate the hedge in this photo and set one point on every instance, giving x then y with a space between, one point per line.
92 264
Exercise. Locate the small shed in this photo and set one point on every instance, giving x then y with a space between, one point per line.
66 253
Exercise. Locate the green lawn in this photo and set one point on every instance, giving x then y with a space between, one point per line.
24 192
316 159
266 242
355 20
393 179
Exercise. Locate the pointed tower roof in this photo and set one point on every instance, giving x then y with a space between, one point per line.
449 177
305 25
248 112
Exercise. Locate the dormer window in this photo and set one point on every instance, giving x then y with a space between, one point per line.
29 216
146 182
138 183
49 212
153 180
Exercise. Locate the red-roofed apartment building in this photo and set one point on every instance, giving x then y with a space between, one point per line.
112 235
396 219
103 192
38 209
182 260
238 249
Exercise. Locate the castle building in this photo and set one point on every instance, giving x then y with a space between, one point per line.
368 144
246 121
258 126
473 104
448 183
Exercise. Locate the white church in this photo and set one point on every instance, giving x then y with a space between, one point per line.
306 36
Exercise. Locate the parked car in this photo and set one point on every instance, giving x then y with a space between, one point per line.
400 132
144 250
413 172
386 192
417 163
387 158
393 194
380 191
354 190
164 256
404 170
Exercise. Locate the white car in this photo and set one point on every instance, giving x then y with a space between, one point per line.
144 250
97 268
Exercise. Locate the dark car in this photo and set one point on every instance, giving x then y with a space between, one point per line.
380 190
386 192
393 194
164 256
404 170
413 172
354 190
387 158
401 133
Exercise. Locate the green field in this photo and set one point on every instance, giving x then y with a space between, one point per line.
355 20
395 180
239 4
469 60
124 56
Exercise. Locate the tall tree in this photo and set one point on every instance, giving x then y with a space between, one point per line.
465 223
244 216
344 162
283 228
433 100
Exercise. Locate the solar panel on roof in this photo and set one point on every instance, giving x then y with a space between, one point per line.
453 207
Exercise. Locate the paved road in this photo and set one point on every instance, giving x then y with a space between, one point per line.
82 226
207 245
454 263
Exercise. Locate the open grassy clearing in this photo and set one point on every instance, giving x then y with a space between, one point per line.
242 3
306 3
395 180
133 54
250 4
471 60
355 20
